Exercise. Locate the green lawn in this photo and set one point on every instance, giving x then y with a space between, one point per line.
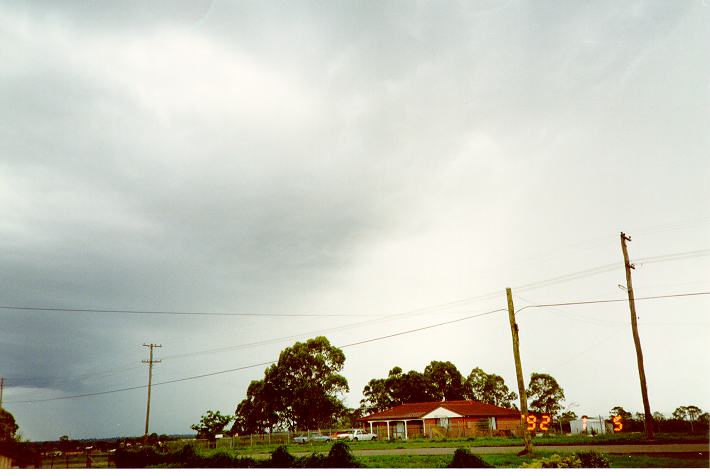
628 438
658 460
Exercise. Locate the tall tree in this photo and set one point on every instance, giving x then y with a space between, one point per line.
8 427
693 412
658 416
444 381
690 413
211 424
301 390
397 388
412 387
489 388
379 393
680 413
567 416
255 414
544 394
619 411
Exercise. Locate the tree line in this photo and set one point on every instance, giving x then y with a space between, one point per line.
304 390
683 418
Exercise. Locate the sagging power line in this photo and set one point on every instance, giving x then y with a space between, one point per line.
410 331
524 287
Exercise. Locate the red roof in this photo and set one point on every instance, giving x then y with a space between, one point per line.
467 408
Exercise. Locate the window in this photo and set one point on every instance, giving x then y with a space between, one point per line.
444 422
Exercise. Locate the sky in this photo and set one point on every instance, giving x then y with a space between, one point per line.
353 170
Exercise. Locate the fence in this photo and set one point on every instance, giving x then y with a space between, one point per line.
270 440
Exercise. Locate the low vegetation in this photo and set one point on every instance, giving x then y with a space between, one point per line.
463 458
340 456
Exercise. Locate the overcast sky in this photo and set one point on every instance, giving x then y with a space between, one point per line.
356 159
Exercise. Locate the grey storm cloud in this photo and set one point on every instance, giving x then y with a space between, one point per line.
309 157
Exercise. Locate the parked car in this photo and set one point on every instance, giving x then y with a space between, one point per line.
317 437
357 435
314 437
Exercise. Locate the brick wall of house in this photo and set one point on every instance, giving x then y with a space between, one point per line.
457 428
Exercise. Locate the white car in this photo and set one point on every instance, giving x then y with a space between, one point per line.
357 435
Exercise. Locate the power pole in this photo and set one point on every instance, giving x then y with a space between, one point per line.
150 363
648 418
519 372
2 385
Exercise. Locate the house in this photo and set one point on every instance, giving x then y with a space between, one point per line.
453 418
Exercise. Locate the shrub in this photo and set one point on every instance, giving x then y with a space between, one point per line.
340 456
592 459
185 457
463 458
555 461
311 461
281 458
137 458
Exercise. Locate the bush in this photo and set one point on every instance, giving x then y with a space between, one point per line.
592 459
281 458
311 461
138 458
555 461
463 458
340 456
185 457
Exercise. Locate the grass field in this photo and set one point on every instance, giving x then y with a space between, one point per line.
658 460
629 438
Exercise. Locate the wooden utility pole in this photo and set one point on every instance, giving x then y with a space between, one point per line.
2 385
648 418
519 373
150 363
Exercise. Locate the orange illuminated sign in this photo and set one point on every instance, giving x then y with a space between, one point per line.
618 426
538 422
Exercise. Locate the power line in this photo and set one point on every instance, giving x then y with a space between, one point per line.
673 256
526 287
421 328
194 377
418 329
176 313
601 301
286 338
538 284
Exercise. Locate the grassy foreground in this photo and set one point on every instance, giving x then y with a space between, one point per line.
626 438
662 460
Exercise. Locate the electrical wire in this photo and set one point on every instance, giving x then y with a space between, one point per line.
601 301
574 303
524 287
176 313
194 377
381 318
